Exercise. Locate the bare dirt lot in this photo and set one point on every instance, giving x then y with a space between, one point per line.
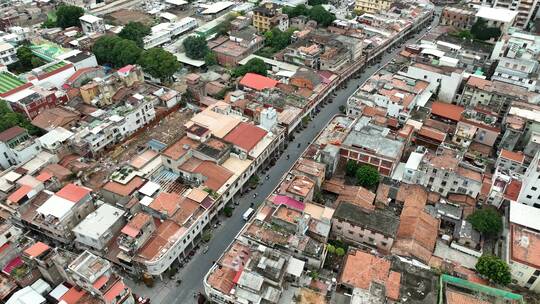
124 16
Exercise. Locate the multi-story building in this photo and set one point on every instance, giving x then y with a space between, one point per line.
530 189
8 54
501 18
165 32
370 6
525 10
98 228
460 18
522 128
17 146
92 25
268 16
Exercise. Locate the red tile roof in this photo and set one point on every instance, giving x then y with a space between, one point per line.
518 157
16 196
11 133
114 291
512 190
73 295
127 189
258 82
245 136
166 203
73 193
100 282
432 133
36 250
216 175
447 110
179 148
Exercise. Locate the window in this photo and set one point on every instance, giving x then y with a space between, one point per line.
533 188
529 196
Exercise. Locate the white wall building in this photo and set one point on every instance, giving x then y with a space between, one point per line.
8 55
530 188
16 147
524 9
91 24
97 229
164 32
449 82
497 17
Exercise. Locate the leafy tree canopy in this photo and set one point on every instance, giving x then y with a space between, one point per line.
254 65
210 59
159 63
487 221
481 31
317 2
367 176
494 268
68 15
196 47
125 52
135 31
9 119
322 16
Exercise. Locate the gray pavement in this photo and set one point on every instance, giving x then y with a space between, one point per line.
193 273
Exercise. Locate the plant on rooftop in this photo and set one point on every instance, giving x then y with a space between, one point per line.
159 63
494 269
135 31
68 15
481 31
367 176
487 221
9 119
195 47
254 65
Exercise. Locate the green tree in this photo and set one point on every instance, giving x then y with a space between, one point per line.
367 176
317 2
68 15
481 31
135 31
196 47
49 23
210 59
465 34
494 269
103 48
254 65
487 221
207 236
228 211
278 40
125 52
9 119
159 63
322 16
330 248
351 168
24 54
299 10
340 251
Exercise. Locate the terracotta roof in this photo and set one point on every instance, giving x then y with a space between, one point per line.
479 83
18 194
179 148
470 174
73 193
518 157
393 285
11 133
216 175
73 295
361 269
512 190
44 176
245 136
54 117
137 222
432 133
114 291
100 281
525 246
258 82
166 203
36 249
447 110
159 240
455 297
127 189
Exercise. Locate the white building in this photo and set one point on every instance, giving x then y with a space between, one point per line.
16 147
98 228
497 17
448 79
524 9
8 55
165 32
530 189
523 246
91 24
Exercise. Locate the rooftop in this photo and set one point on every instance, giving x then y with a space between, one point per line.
384 222
518 157
496 14
99 222
9 82
11 133
245 136
124 189
373 138
258 82
180 148
73 192
525 215
525 246
447 110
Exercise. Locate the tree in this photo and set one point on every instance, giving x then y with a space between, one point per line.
481 31
9 119
254 65
159 63
322 16
196 47
103 49
207 236
68 15
351 168
466 34
487 221
342 109
210 59
317 2
494 268
228 211
367 176
125 52
330 248
299 10
135 31
340 251
24 54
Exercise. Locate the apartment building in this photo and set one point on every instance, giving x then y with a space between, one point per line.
98 228
8 54
17 146
164 32
268 16
530 193
522 129
497 17
92 25
525 10
370 6
460 18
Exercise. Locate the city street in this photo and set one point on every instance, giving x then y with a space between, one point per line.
193 273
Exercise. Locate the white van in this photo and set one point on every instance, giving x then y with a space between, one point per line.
248 214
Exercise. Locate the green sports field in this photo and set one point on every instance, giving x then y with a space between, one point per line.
9 82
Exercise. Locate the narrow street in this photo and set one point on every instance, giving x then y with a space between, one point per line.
193 273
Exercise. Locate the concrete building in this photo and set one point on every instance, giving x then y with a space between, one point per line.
92 25
460 18
530 189
165 32
501 18
17 146
98 228
268 16
8 54
370 6
447 78
525 10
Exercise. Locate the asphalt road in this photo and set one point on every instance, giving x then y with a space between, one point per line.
193 273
